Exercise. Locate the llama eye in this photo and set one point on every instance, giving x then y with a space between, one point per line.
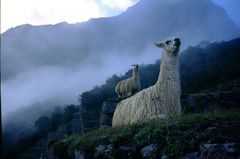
167 42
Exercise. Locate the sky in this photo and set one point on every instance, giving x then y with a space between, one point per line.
39 12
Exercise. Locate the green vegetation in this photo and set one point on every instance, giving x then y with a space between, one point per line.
205 67
43 126
173 137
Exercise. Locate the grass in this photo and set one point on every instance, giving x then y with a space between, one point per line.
174 137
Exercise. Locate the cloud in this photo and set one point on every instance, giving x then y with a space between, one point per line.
15 12
46 83
61 85
120 4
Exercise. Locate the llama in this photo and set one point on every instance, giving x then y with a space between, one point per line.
129 86
161 100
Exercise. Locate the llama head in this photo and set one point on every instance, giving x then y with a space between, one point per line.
135 66
171 46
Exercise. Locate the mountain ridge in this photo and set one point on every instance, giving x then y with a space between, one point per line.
127 33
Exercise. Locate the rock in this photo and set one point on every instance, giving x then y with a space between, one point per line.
123 152
43 156
149 152
105 120
192 103
127 149
189 104
164 157
215 151
102 151
51 154
231 148
219 151
210 101
194 155
109 107
78 154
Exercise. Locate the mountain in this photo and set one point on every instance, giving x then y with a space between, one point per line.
71 45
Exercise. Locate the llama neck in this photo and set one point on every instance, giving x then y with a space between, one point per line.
169 71
135 74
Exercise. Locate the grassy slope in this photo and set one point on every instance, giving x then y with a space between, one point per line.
174 137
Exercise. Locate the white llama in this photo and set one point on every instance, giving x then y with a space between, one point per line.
161 100
129 86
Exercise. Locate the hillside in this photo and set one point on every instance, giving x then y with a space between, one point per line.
209 74
177 138
200 110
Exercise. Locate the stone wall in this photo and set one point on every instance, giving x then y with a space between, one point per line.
108 109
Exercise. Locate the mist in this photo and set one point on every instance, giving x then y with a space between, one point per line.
61 85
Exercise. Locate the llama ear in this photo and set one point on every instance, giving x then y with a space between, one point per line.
161 45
